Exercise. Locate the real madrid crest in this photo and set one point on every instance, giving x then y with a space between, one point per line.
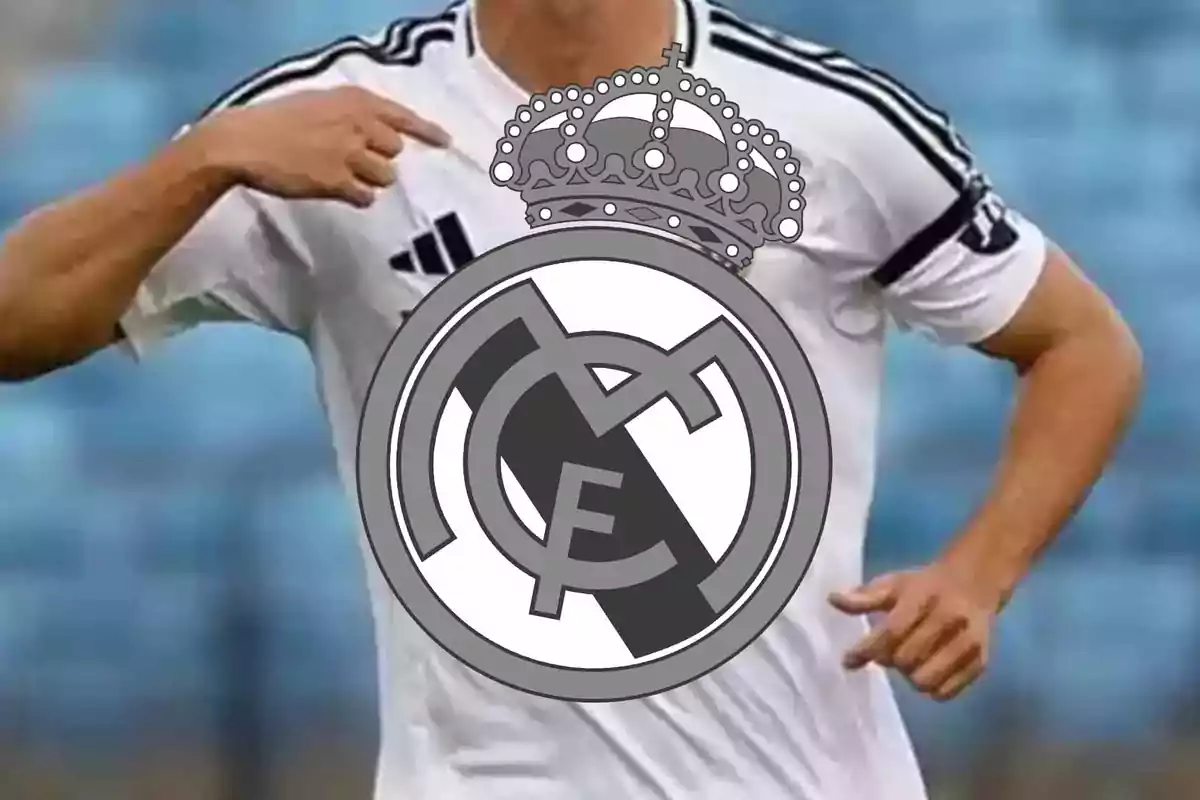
595 464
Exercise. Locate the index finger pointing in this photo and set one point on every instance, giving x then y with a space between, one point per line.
404 120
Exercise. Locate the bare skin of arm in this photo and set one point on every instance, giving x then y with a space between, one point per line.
69 271
1080 375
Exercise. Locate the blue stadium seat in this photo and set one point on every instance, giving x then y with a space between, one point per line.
1168 75
1149 231
316 602
312 23
177 629
1158 151
238 391
313 580
1165 318
36 440
82 704
1120 26
35 541
1168 511
916 512
951 397
1016 637
21 595
78 125
1116 644
208 48
1079 176
188 523
872 41
1108 524
13 204
1167 427
305 530
189 35
984 24
100 381
229 359
39 519
821 23
997 82
139 434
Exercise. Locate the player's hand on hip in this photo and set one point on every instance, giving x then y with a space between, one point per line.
932 628
333 144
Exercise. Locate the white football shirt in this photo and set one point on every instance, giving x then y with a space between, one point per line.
898 226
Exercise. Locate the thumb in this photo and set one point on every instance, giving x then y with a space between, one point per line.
877 595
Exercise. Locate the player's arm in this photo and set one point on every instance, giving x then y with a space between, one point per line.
70 270
968 271
1080 374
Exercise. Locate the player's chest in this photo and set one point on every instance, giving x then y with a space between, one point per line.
444 213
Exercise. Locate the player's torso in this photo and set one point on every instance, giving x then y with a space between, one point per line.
374 266
772 723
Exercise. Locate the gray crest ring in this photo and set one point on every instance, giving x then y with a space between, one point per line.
487 347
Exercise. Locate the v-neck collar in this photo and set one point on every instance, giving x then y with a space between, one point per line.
496 96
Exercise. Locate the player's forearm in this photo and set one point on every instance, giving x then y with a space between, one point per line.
1074 403
69 270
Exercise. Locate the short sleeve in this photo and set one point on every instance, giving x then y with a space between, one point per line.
237 264
950 259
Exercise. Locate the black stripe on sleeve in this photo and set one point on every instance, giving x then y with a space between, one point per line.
250 85
411 36
348 47
917 249
932 120
402 46
424 39
790 65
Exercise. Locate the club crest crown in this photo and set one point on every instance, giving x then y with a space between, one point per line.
658 148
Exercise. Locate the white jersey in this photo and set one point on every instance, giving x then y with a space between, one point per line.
899 226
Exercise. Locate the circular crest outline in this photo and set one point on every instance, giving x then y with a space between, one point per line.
404 353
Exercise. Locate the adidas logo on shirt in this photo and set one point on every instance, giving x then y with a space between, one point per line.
443 250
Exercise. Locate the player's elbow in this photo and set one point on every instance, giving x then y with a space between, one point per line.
19 362
1108 352
1071 329
18 369
25 356
33 339
1125 358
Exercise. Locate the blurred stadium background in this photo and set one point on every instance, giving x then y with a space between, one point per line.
182 612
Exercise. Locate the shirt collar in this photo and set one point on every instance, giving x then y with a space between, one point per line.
497 95
691 21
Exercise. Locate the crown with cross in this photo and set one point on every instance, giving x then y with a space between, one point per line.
657 148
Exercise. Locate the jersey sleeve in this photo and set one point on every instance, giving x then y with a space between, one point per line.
949 257
238 264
